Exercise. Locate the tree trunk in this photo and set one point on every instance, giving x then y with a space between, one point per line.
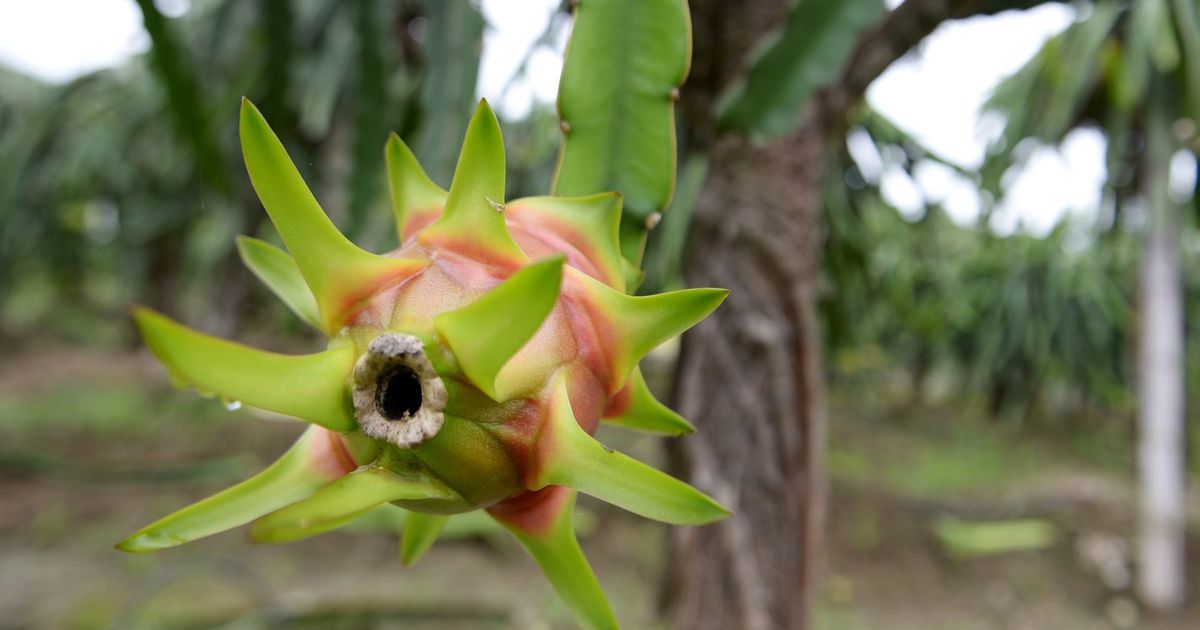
751 379
750 376
1160 386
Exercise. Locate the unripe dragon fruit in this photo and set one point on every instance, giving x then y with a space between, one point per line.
466 370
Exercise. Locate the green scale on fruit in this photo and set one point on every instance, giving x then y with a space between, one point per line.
468 369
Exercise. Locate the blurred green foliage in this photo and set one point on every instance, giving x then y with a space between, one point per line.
1014 317
127 185
963 540
1022 318
807 54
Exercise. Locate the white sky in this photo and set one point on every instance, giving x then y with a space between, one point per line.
58 40
509 35
934 93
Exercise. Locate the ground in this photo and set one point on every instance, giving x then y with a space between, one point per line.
95 444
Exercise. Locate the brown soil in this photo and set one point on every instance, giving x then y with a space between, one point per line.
884 568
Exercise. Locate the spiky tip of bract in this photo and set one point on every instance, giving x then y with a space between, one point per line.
570 457
310 387
339 273
472 223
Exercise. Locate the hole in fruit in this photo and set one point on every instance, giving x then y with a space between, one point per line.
398 395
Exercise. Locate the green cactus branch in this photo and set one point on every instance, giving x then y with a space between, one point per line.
183 94
616 101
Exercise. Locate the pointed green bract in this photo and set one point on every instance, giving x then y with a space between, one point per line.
420 532
312 387
472 222
572 458
339 274
593 227
279 272
291 478
342 501
557 552
485 334
638 409
411 189
642 322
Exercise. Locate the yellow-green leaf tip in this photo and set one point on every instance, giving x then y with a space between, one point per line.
144 542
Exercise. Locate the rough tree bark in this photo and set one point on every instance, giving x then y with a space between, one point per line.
750 376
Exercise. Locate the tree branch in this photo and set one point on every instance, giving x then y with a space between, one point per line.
898 33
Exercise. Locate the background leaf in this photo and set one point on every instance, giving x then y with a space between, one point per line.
807 55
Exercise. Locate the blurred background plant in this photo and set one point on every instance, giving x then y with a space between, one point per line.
973 371
126 184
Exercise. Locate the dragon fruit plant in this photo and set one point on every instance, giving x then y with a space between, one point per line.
468 369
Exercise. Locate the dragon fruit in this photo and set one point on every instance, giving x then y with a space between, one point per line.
468 369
